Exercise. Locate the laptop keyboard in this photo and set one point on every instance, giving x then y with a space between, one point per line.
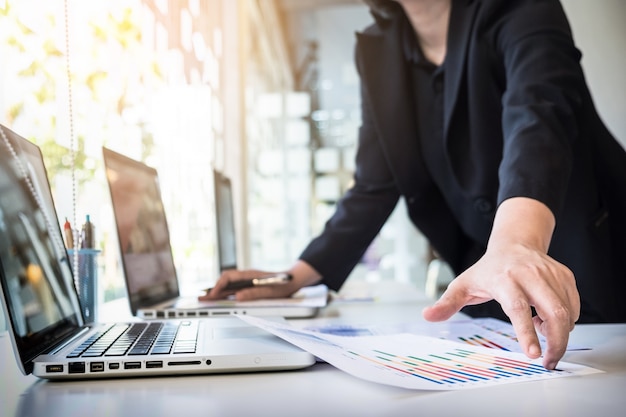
128 339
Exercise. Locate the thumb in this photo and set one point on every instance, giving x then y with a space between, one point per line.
452 300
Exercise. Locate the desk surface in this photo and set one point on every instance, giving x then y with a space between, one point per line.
322 390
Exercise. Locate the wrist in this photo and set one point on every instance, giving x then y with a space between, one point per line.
522 221
304 274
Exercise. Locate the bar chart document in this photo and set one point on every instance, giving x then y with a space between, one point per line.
419 362
486 332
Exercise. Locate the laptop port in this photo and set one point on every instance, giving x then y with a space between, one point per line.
54 368
183 363
96 367
114 365
76 368
132 365
154 364
204 313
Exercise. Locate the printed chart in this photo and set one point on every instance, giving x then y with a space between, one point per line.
455 366
418 362
490 333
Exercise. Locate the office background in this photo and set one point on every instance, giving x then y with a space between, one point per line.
263 90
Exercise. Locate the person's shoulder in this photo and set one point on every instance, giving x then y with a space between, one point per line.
507 5
521 17
374 29
384 19
502 8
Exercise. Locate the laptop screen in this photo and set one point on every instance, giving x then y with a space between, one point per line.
142 231
37 283
224 213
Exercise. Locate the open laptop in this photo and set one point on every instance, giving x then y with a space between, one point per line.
147 259
45 320
225 222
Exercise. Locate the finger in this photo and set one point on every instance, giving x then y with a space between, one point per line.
555 328
557 313
517 308
270 291
217 291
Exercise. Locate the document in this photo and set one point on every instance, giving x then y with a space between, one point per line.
487 332
418 362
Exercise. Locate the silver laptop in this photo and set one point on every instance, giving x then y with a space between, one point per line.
45 320
146 255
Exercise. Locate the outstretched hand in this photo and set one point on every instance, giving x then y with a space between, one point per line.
517 272
519 278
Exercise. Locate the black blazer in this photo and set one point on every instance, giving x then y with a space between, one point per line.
518 121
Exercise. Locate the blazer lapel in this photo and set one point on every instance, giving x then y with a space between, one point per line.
461 21
387 84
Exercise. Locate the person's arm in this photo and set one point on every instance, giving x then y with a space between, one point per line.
539 123
517 272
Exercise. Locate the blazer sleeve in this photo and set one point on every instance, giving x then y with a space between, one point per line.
360 213
544 87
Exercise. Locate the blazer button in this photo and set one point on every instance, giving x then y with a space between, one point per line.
411 200
482 205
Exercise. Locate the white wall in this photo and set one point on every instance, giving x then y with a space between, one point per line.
600 33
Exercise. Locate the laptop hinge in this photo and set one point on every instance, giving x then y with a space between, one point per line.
79 333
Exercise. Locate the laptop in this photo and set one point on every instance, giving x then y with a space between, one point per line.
44 316
225 222
147 259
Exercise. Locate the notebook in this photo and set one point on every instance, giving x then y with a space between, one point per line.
46 326
147 259
225 222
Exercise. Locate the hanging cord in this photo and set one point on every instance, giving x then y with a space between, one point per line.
57 240
72 139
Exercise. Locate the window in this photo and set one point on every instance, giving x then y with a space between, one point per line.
146 80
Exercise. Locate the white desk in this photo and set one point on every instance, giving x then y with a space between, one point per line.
322 390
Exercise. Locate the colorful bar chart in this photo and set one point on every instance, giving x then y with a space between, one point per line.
419 362
457 366
478 340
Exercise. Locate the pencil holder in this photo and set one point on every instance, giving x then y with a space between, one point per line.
87 281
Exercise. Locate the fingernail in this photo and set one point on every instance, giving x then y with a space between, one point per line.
551 365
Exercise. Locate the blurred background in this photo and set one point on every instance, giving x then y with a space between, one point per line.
264 91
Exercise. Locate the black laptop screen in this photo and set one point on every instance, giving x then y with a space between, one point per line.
142 231
224 210
37 282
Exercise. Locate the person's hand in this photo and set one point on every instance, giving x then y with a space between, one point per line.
519 279
220 291
303 275
518 274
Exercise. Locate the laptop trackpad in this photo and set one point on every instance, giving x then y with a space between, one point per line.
238 332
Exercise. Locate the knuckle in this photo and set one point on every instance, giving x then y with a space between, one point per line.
519 305
561 313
